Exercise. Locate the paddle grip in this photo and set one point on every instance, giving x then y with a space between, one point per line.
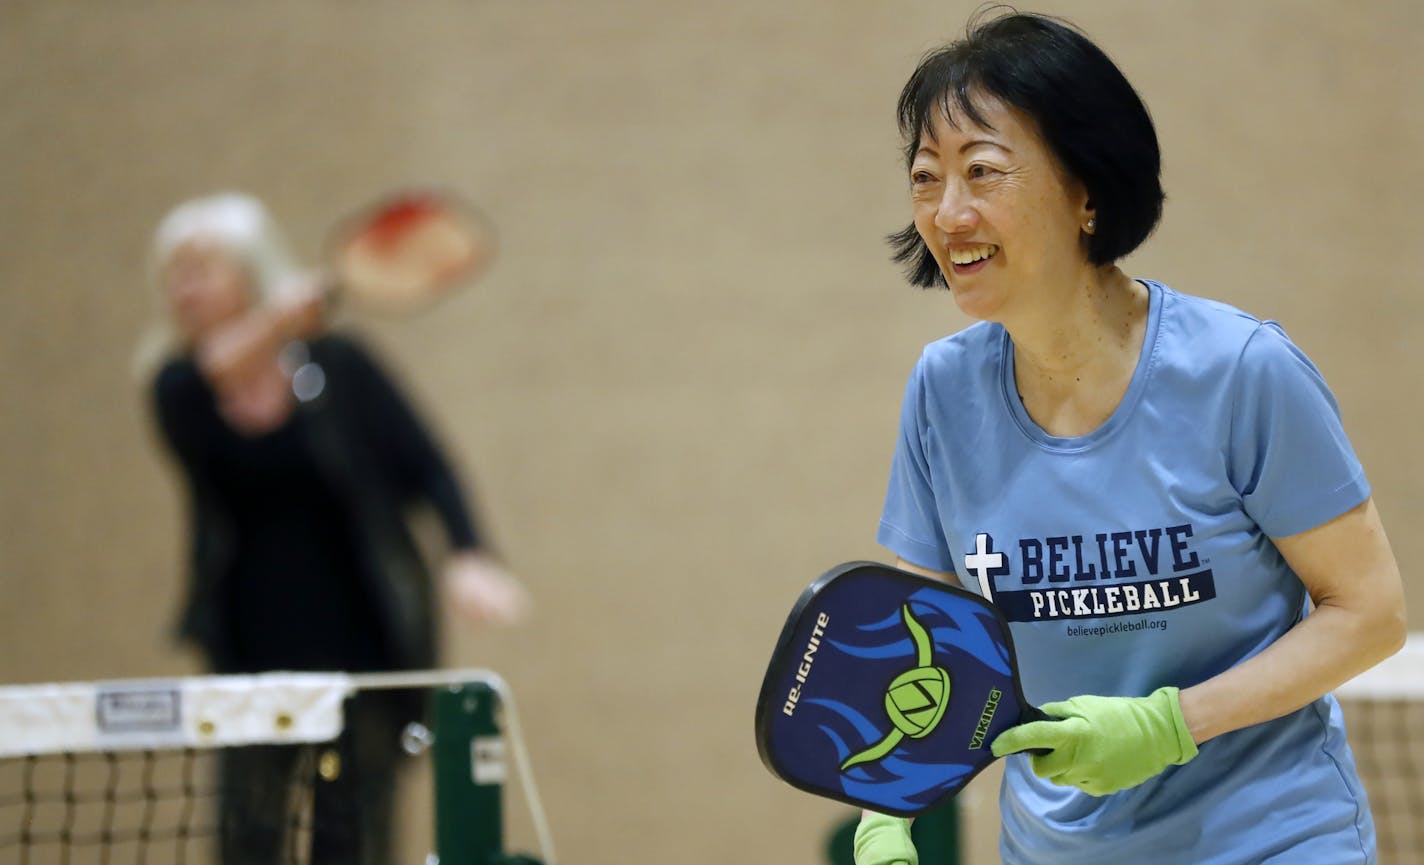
1031 714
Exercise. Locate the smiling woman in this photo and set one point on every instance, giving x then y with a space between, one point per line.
989 195
1090 405
1071 102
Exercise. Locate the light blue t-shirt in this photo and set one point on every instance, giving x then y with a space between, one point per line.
1139 556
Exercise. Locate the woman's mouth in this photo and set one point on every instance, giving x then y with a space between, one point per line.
971 259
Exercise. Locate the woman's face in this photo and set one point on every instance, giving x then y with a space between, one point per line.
205 287
1000 215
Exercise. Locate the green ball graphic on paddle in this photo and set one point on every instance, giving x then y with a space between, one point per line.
915 700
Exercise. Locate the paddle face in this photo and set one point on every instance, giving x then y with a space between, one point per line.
886 689
409 250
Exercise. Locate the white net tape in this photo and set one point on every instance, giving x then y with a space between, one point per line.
1400 677
205 712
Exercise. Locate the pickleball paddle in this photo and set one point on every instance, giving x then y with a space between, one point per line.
886 688
408 250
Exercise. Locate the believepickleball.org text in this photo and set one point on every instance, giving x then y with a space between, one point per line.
1117 628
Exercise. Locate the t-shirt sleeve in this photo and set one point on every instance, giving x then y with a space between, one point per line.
1289 457
909 525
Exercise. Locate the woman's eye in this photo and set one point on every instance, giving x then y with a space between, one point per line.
920 177
976 170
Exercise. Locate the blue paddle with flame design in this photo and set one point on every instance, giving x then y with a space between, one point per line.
886 688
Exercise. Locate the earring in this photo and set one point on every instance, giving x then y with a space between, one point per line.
1092 225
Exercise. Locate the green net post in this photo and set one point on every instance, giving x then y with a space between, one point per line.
469 776
936 835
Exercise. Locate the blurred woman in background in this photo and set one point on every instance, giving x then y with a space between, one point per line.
301 460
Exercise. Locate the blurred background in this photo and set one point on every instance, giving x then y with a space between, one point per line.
676 392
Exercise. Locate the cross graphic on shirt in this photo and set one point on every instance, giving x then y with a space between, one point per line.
984 563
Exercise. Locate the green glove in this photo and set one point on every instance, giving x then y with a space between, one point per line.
1104 744
884 840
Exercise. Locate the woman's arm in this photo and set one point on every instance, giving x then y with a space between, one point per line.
410 455
943 576
1107 744
476 583
1352 577
232 354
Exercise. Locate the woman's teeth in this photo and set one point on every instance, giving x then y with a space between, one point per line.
969 255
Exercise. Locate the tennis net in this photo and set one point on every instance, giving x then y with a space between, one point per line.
1384 714
142 771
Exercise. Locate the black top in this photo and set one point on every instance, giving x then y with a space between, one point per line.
298 534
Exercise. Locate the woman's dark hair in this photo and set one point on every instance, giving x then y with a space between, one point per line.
1088 114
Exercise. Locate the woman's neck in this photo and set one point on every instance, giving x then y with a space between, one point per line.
1074 358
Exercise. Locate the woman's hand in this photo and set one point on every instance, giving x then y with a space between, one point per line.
238 351
482 591
884 840
1104 744
299 312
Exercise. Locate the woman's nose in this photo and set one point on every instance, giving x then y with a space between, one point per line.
956 212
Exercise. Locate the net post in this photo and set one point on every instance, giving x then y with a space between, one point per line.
936 835
468 775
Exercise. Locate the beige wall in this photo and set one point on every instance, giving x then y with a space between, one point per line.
678 387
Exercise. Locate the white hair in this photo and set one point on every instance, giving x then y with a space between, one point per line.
238 223
241 225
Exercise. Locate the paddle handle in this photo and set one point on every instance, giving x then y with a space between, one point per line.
1031 714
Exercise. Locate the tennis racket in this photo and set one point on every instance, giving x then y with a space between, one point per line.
886 688
408 250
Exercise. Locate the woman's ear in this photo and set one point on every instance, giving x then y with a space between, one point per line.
1088 216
